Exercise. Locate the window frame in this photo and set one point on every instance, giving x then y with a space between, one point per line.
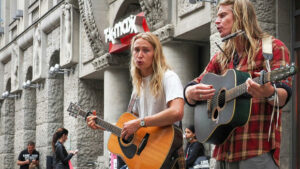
295 116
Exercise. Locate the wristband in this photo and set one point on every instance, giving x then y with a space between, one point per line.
272 97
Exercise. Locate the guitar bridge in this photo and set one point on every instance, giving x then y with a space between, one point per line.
143 144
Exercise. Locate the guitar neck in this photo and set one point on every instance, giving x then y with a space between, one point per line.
242 88
109 127
106 125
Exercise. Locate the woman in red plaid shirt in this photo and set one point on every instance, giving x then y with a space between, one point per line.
249 146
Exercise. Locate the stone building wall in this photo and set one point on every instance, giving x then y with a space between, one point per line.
7 134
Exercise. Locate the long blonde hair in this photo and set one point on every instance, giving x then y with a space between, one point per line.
159 65
244 19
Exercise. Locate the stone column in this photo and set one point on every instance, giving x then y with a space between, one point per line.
117 91
185 59
7 134
49 115
29 115
87 140
25 121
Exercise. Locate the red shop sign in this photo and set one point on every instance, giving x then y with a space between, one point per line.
119 36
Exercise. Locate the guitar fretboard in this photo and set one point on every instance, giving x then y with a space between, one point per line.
106 125
242 88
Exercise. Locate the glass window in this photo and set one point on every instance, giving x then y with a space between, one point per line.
297 28
13 32
297 4
0 10
297 60
35 14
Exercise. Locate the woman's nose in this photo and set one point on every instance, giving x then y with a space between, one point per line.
140 54
218 21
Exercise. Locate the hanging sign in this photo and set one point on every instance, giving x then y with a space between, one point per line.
119 36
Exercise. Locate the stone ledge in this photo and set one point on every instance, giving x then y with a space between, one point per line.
108 60
165 33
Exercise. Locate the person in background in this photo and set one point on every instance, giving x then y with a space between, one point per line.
61 156
194 148
29 158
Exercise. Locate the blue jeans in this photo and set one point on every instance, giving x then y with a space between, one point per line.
264 161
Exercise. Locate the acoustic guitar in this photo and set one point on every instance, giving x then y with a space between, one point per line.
148 148
216 118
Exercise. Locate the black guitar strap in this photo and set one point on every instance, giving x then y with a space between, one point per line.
236 59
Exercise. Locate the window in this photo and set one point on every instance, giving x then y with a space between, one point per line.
33 11
297 5
35 15
296 58
297 28
0 10
13 32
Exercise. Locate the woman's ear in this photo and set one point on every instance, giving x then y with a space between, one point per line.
194 135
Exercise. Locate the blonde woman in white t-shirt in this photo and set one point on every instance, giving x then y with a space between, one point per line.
154 83
158 90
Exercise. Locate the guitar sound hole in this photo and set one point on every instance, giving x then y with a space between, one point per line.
215 115
128 140
221 99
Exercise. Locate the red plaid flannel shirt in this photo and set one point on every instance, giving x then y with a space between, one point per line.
251 139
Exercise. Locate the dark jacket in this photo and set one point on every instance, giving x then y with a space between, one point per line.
193 150
61 156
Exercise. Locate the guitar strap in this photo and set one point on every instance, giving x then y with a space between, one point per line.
267 50
236 60
131 103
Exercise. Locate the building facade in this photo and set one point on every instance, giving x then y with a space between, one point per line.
54 52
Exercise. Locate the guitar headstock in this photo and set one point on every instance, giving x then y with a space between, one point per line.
74 110
283 72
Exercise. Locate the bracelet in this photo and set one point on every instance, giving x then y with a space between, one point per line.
272 97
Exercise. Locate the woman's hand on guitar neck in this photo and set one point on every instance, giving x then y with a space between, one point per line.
259 91
199 92
92 124
264 91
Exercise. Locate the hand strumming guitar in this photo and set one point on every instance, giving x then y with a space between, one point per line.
199 92
130 128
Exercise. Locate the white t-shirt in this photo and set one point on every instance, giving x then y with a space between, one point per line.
147 104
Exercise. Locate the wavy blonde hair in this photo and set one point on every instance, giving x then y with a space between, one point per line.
159 65
244 19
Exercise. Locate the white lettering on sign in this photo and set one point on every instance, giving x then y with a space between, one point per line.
132 24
